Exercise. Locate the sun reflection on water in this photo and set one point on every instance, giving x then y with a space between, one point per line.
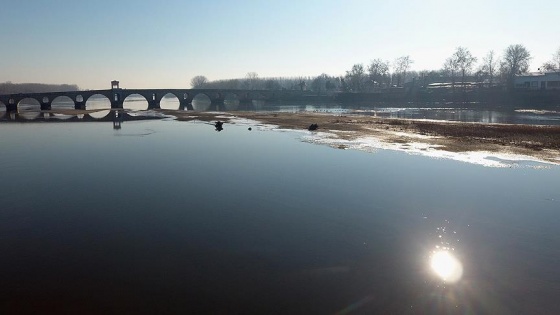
446 266
443 263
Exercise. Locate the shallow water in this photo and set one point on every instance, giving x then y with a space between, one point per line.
174 217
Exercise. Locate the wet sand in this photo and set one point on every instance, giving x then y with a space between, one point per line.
539 142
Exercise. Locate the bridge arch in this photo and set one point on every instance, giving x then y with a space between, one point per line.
101 105
29 108
231 101
201 101
170 101
79 98
135 101
61 102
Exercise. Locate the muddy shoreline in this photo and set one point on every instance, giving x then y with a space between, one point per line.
540 142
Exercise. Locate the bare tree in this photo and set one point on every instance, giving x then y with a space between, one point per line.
515 61
355 78
548 66
319 83
489 65
465 61
252 78
401 65
451 67
554 64
198 82
378 71
301 83
556 58
272 84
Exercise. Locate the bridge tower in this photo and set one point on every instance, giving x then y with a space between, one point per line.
116 95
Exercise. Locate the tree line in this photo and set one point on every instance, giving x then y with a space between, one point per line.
14 88
459 68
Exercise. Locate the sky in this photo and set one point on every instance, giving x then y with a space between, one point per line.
164 43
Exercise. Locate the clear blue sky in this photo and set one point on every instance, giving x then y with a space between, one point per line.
165 43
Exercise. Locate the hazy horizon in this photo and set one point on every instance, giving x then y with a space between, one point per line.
151 45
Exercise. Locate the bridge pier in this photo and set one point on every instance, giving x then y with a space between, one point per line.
153 104
11 105
79 105
116 104
116 100
46 105
216 103
185 104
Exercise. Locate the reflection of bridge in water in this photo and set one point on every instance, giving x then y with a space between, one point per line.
117 95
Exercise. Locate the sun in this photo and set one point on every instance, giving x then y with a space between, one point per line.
446 266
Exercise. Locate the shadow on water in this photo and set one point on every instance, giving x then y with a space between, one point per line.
117 117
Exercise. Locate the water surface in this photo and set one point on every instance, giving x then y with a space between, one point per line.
174 217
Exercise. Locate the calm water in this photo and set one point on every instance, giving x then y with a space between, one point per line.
470 113
172 217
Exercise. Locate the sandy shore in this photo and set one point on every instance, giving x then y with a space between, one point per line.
531 141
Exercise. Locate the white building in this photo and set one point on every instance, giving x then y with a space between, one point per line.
538 81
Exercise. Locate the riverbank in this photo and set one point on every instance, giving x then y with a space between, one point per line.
533 141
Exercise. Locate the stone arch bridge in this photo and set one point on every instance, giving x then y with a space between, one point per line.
153 96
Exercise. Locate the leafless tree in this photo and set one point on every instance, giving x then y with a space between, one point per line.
489 65
272 84
556 58
198 82
252 78
548 66
554 64
319 83
378 71
356 77
464 61
451 67
401 66
515 61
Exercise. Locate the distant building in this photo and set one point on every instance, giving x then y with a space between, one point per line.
457 85
538 81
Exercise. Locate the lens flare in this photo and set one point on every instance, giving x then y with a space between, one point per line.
446 266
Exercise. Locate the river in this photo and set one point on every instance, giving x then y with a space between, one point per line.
174 217
467 113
